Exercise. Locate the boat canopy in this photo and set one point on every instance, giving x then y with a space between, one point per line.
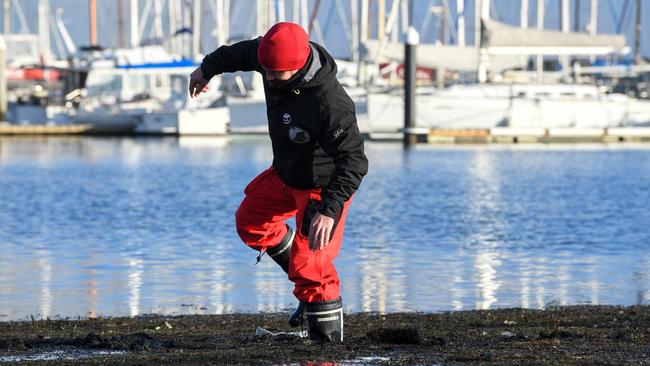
428 55
504 39
438 56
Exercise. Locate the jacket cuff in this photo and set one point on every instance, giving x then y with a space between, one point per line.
331 208
207 71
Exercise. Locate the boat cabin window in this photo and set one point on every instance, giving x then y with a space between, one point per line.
103 84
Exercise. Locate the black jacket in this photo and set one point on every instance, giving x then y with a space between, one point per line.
312 124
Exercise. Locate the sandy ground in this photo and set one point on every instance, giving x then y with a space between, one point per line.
577 335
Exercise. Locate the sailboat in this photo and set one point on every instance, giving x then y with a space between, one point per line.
505 98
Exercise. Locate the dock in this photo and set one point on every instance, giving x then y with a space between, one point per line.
498 135
43 129
505 135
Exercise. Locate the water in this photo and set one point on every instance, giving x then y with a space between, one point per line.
122 226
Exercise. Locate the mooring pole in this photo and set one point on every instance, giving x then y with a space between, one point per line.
410 65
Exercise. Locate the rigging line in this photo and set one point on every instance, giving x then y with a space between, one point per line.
24 27
251 25
328 20
319 33
621 19
612 11
58 43
450 21
145 17
312 18
344 20
427 19
494 13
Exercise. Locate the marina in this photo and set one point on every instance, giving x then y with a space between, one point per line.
503 150
475 72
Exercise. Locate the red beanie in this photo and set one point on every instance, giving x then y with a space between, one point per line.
284 47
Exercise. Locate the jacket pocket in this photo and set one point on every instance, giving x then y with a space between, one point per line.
250 188
313 206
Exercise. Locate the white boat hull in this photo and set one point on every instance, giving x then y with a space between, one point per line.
210 121
520 106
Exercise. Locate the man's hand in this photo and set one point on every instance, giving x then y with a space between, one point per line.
198 83
320 231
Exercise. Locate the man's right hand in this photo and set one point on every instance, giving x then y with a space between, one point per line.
198 83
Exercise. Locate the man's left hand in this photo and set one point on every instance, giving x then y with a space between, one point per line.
320 231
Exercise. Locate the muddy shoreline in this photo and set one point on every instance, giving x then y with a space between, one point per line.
575 335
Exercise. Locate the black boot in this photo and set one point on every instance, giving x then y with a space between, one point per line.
325 320
296 318
281 252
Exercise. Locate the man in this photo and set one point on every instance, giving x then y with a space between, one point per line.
318 164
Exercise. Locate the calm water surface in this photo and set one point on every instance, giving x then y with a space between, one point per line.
122 226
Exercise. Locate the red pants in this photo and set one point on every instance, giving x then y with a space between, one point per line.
260 224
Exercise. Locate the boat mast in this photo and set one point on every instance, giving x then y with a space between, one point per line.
43 31
523 14
263 14
460 10
354 30
593 22
381 19
222 14
92 8
3 80
120 22
226 20
539 62
7 16
172 14
304 14
565 28
404 12
219 17
442 36
576 17
196 30
295 11
363 38
134 14
637 34
483 54
279 11
157 20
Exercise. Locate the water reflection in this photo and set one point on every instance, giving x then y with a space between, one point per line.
45 281
642 282
107 226
486 221
134 284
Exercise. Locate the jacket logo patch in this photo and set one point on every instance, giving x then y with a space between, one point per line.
298 135
286 118
338 133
